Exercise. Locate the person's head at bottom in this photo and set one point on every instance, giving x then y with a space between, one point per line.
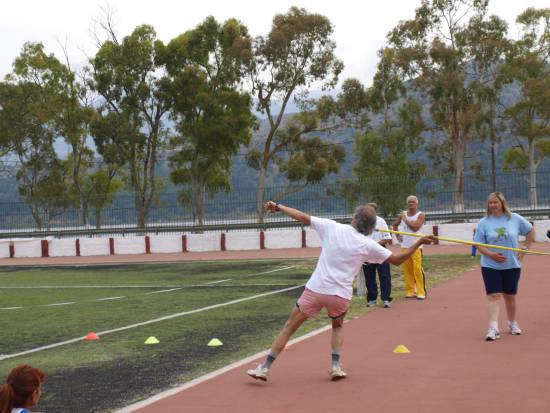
22 388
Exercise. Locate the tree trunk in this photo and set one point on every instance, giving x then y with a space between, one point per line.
98 218
458 165
261 194
199 193
494 147
532 175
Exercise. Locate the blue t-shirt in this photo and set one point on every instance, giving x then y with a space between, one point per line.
503 231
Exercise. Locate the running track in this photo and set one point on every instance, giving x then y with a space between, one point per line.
450 367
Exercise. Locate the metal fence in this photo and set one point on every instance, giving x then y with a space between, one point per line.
237 210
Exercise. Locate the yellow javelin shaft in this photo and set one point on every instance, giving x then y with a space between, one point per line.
461 241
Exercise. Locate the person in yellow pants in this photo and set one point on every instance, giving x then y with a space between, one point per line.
412 220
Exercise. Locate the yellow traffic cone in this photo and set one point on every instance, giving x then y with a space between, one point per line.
152 340
401 349
215 343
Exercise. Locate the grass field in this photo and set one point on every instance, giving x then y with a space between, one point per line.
183 305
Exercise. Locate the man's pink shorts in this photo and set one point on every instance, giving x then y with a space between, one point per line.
311 303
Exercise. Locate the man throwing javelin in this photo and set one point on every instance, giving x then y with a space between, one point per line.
344 249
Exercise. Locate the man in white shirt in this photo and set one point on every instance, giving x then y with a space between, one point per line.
384 272
344 250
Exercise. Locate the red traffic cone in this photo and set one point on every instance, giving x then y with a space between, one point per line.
91 336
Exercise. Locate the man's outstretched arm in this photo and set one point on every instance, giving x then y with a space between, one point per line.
398 258
291 212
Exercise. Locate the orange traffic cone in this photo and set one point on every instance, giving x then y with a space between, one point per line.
91 336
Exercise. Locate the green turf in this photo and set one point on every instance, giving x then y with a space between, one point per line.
119 368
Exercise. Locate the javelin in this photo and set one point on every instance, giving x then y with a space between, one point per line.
460 241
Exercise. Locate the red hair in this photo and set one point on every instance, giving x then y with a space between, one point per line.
20 385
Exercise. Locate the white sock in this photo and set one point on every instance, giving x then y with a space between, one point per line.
494 324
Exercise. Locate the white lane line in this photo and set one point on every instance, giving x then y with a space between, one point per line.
217 282
141 286
110 298
10 308
164 291
270 271
144 323
58 304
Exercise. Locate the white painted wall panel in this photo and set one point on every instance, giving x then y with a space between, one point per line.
165 243
129 245
94 246
283 239
27 248
240 241
209 241
64 247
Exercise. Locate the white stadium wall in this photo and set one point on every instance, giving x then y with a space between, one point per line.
285 238
210 241
541 228
166 243
28 248
5 248
65 247
94 246
129 245
241 241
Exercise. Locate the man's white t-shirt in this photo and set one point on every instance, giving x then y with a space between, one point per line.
408 240
377 235
344 250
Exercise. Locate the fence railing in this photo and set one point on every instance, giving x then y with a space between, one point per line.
237 210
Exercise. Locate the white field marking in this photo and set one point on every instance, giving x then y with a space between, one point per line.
217 282
10 308
141 286
144 323
110 298
57 304
209 376
164 291
269 272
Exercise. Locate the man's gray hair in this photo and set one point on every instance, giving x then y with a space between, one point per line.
412 197
364 219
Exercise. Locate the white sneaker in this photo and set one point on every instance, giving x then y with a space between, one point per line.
336 373
387 304
492 334
259 373
371 303
514 329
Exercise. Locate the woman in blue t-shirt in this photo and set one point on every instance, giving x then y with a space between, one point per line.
501 269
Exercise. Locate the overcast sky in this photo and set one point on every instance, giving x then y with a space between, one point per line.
360 27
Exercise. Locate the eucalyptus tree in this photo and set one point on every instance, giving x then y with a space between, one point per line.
434 55
129 76
27 133
212 113
487 45
528 66
297 53
71 107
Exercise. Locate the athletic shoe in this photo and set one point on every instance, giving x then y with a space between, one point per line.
371 303
336 373
420 297
514 329
492 334
259 373
387 304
